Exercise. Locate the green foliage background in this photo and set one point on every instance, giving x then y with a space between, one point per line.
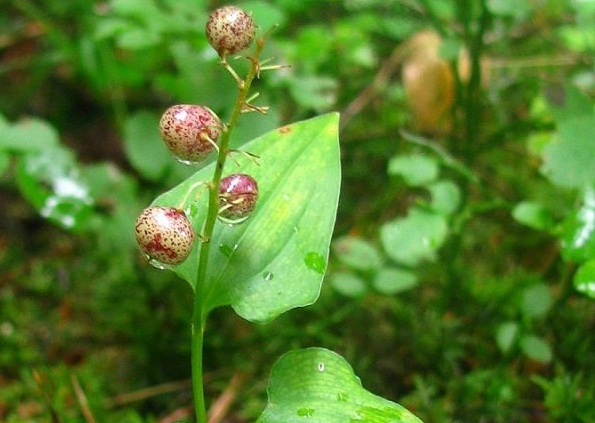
462 270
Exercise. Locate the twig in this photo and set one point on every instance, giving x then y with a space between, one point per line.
387 69
177 415
220 407
82 399
38 378
446 158
535 62
143 394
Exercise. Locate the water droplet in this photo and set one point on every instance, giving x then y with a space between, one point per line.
343 397
232 222
268 276
185 161
226 250
159 265
191 210
286 197
321 367
305 412
315 261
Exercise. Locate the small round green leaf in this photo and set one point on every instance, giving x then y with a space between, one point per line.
533 215
349 284
536 348
390 280
537 300
578 237
567 161
51 182
446 197
319 386
584 279
415 238
416 169
506 335
357 253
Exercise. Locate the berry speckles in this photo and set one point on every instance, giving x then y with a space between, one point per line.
238 194
164 234
190 131
230 30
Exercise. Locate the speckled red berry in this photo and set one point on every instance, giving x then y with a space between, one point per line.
230 30
188 130
164 234
238 194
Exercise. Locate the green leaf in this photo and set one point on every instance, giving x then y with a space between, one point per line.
144 147
584 279
512 8
276 260
29 135
348 284
319 386
264 14
446 197
533 215
137 39
390 281
51 182
416 169
415 238
578 237
357 253
314 92
537 300
506 335
575 105
568 160
536 348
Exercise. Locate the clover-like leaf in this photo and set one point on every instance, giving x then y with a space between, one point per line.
416 169
578 237
276 260
584 279
567 160
318 386
414 238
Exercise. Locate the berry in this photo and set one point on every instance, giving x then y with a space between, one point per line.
190 131
164 234
230 30
237 197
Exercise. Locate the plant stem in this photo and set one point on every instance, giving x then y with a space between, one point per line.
199 315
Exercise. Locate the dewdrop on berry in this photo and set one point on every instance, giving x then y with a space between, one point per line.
238 194
230 30
190 132
165 235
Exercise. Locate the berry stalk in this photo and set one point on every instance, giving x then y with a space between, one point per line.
200 315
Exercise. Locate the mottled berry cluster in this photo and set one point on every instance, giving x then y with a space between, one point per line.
164 234
190 131
230 30
238 194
